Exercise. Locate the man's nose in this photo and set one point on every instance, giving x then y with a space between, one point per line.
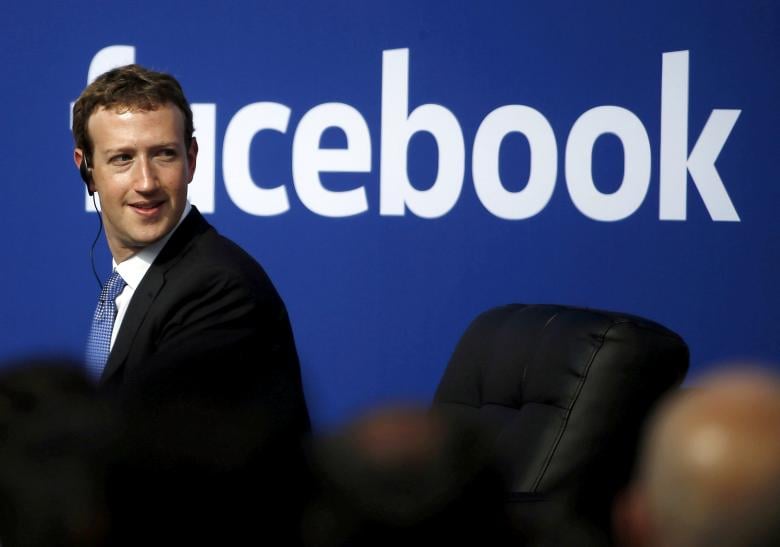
146 179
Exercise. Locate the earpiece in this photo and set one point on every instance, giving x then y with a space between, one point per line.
86 176
86 173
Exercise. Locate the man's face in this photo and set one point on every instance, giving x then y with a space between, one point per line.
140 169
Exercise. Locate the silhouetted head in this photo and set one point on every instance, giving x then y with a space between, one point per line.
710 451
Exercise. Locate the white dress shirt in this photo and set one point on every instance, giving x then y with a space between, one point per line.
133 271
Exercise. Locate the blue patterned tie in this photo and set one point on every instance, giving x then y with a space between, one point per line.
99 340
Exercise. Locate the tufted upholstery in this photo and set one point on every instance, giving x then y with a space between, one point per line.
564 392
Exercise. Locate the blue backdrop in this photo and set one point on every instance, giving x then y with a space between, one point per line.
636 171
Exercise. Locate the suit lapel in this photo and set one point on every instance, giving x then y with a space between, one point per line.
149 288
136 312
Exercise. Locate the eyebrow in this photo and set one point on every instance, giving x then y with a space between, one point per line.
124 149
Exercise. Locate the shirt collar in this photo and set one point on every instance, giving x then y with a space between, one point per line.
134 268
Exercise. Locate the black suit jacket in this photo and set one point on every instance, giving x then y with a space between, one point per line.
206 324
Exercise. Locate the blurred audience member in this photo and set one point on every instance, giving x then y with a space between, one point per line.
757 524
707 459
194 473
402 475
76 469
54 441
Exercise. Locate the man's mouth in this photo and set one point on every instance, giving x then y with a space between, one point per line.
147 207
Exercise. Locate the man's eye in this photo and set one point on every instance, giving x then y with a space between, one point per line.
121 159
168 153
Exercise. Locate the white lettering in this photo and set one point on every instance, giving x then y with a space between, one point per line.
104 60
636 171
239 184
674 148
109 58
544 162
395 189
309 160
201 189
397 193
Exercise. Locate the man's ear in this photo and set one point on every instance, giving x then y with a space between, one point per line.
192 159
85 170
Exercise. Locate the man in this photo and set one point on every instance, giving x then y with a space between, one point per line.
404 475
709 457
196 317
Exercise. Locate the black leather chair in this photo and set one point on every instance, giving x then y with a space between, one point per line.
563 393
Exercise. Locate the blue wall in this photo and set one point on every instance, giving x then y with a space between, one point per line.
380 292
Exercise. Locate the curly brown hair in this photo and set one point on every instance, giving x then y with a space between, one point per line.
130 87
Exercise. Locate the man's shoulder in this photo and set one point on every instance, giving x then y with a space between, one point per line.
206 257
215 252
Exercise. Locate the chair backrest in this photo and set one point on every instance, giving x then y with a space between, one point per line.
565 392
